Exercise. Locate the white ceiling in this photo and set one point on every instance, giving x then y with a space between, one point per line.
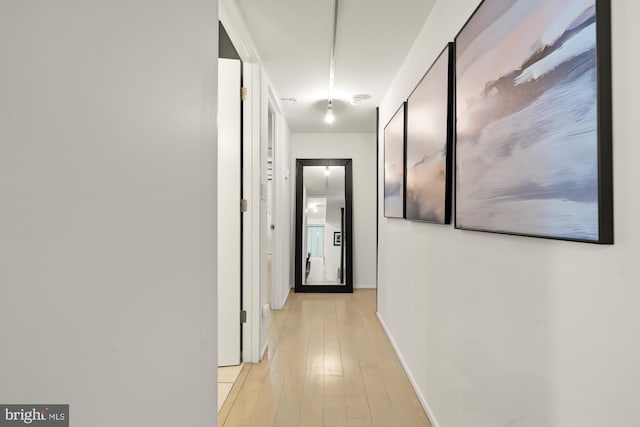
293 39
316 211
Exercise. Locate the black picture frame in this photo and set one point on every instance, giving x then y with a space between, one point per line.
399 118
444 58
337 238
605 192
346 285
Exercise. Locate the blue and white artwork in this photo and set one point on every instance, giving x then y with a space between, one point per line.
394 135
527 119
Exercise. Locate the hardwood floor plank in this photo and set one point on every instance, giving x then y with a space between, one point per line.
355 395
329 363
405 405
233 394
311 410
288 412
242 408
332 355
359 422
280 342
334 406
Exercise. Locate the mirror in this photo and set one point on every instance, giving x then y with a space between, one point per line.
324 226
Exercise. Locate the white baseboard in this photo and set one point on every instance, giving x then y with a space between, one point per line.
264 351
283 302
286 297
421 397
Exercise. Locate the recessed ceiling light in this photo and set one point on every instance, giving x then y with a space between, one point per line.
357 99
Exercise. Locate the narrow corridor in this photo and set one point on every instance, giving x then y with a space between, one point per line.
329 363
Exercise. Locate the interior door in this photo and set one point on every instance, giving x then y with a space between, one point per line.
229 216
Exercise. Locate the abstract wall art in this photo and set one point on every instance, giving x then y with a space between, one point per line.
429 143
533 120
394 161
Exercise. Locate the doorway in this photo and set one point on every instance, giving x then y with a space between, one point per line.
315 241
324 253
229 216
270 260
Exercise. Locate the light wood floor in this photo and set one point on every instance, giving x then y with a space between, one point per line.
329 364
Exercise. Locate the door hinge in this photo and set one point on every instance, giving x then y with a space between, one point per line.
243 316
244 206
244 93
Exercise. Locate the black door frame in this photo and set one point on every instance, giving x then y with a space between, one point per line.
348 229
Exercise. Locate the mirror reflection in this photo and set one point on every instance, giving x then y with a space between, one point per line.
323 219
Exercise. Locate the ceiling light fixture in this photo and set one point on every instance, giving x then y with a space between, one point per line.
330 118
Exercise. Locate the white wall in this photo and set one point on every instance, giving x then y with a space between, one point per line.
108 218
362 149
513 331
317 216
282 234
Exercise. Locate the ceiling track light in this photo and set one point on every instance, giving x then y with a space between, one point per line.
329 117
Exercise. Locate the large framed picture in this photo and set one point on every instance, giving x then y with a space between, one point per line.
533 120
429 143
394 164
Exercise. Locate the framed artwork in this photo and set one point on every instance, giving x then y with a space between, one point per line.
337 238
394 164
429 143
533 120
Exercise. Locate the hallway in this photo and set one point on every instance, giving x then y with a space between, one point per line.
329 363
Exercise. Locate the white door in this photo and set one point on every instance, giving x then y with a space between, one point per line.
229 235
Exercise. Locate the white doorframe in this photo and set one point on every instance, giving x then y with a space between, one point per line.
255 130
251 223
236 26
